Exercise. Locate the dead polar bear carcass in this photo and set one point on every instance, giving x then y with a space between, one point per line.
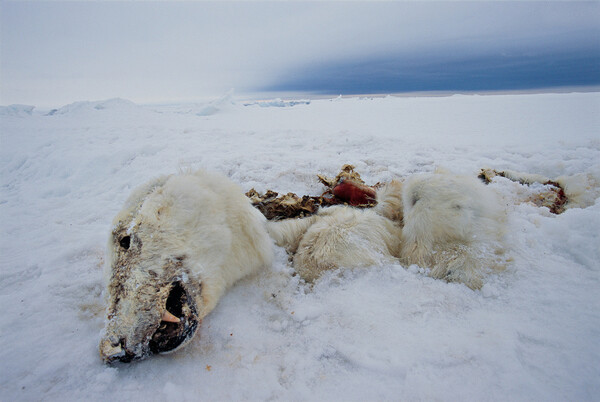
177 245
451 224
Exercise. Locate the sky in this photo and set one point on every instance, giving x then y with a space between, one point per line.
54 53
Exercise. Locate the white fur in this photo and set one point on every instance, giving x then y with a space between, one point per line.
582 190
453 225
450 224
198 229
337 237
389 201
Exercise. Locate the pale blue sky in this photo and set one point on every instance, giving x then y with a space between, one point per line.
53 53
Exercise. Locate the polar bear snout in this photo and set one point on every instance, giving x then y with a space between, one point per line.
150 323
111 349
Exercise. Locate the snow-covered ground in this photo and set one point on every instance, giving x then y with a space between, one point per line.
384 333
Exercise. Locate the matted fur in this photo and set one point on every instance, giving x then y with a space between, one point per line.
197 230
389 201
451 224
582 189
337 237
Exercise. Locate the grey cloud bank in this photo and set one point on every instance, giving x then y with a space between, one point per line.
448 72
55 53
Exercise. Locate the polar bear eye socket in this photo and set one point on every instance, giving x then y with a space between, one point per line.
125 242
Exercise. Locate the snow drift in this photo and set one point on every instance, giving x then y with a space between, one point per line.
387 333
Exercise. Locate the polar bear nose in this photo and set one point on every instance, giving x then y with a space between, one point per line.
111 349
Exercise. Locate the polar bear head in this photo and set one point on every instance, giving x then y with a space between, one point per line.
154 298
175 248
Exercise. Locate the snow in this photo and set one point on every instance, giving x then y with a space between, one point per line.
278 102
383 333
16 110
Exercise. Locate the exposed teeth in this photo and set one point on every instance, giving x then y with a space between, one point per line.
168 317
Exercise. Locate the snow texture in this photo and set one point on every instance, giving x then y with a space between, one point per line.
379 333
278 102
